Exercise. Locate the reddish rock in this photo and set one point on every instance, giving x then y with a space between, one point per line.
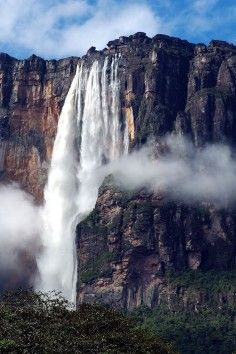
32 93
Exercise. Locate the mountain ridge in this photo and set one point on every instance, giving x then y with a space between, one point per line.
123 40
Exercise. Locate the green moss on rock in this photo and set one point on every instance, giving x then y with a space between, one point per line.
98 267
210 281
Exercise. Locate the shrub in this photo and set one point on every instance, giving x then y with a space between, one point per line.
44 324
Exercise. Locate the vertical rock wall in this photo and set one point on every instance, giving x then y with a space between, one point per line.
32 92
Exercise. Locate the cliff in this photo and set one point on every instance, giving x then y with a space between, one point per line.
138 249
166 84
32 93
131 245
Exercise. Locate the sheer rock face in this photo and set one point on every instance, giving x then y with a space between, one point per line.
129 244
166 84
32 93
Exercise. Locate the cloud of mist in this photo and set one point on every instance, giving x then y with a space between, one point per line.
173 167
19 226
182 173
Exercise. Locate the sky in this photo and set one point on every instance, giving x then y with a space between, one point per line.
61 28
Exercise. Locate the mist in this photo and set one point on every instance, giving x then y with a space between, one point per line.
181 172
19 234
172 166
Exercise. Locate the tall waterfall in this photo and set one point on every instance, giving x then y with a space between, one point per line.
89 134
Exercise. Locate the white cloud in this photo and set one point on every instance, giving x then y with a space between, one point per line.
70 27
54 29
109 24
203 5
202 20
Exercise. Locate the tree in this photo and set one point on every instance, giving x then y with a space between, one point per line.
45 324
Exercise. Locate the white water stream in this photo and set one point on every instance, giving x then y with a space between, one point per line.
89 134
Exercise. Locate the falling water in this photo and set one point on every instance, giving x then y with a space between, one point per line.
55 267
89 134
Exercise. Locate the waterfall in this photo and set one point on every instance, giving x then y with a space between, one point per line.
89 134
58 215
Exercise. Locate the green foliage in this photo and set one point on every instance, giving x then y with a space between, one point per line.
42 324
6 344
210 281
210 331
97 267
92 219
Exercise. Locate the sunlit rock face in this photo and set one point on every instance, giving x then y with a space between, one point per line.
32 92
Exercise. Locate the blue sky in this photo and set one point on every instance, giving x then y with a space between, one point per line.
60 28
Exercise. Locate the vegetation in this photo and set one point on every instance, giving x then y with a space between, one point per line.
31 323
210 331
98 267
211 327
92 219
208 281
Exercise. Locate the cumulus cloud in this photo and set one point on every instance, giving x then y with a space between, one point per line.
200 20
109 23
54 29
203 20
70 27
183 173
